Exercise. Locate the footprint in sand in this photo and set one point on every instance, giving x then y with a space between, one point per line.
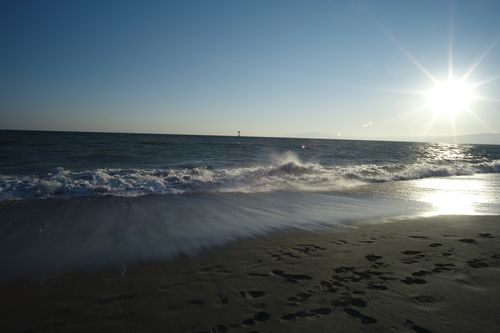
379 264
344 269
262 316
258 274
468 240
416 255
358 315
329 286
293 316
409 261
308 248
486 235
279 256
448 252
305 314
372 257
413 280
424 299
418 237
338 281
438 268
421 273
252 294
376 286
322 311
298 299
478 263
435 245
291 277
258 317
416 328
349 274
347 300
411 252
248 322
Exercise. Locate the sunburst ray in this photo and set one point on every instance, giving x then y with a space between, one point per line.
480 59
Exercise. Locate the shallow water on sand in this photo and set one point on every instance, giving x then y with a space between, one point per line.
43 237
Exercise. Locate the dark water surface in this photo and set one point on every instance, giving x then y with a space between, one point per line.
82 200
61 165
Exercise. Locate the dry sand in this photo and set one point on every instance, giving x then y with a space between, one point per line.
436 274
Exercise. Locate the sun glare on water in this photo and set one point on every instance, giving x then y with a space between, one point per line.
450 97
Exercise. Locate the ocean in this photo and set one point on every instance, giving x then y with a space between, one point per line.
83 200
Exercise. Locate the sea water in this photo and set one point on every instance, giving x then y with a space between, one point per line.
75 200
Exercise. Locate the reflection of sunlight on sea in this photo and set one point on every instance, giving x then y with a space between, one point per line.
448 152
457 195
453 196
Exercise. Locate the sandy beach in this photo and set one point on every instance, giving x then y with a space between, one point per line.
437 274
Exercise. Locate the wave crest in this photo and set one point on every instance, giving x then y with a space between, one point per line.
284 172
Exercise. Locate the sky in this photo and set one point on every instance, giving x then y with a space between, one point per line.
347 69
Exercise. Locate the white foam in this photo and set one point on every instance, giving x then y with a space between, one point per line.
284 172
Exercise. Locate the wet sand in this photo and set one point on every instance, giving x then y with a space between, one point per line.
439 274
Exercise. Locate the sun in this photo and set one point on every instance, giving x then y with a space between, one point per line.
450 97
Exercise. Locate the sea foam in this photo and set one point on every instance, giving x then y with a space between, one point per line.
285 172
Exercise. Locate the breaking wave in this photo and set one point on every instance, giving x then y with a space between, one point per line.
285 172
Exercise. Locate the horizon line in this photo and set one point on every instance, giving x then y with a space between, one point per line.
381 139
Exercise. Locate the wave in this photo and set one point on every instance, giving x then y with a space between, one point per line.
284 172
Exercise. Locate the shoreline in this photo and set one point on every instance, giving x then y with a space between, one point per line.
433 274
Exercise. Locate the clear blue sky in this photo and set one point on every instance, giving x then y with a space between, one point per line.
270 68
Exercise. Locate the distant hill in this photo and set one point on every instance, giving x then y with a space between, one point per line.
480 138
